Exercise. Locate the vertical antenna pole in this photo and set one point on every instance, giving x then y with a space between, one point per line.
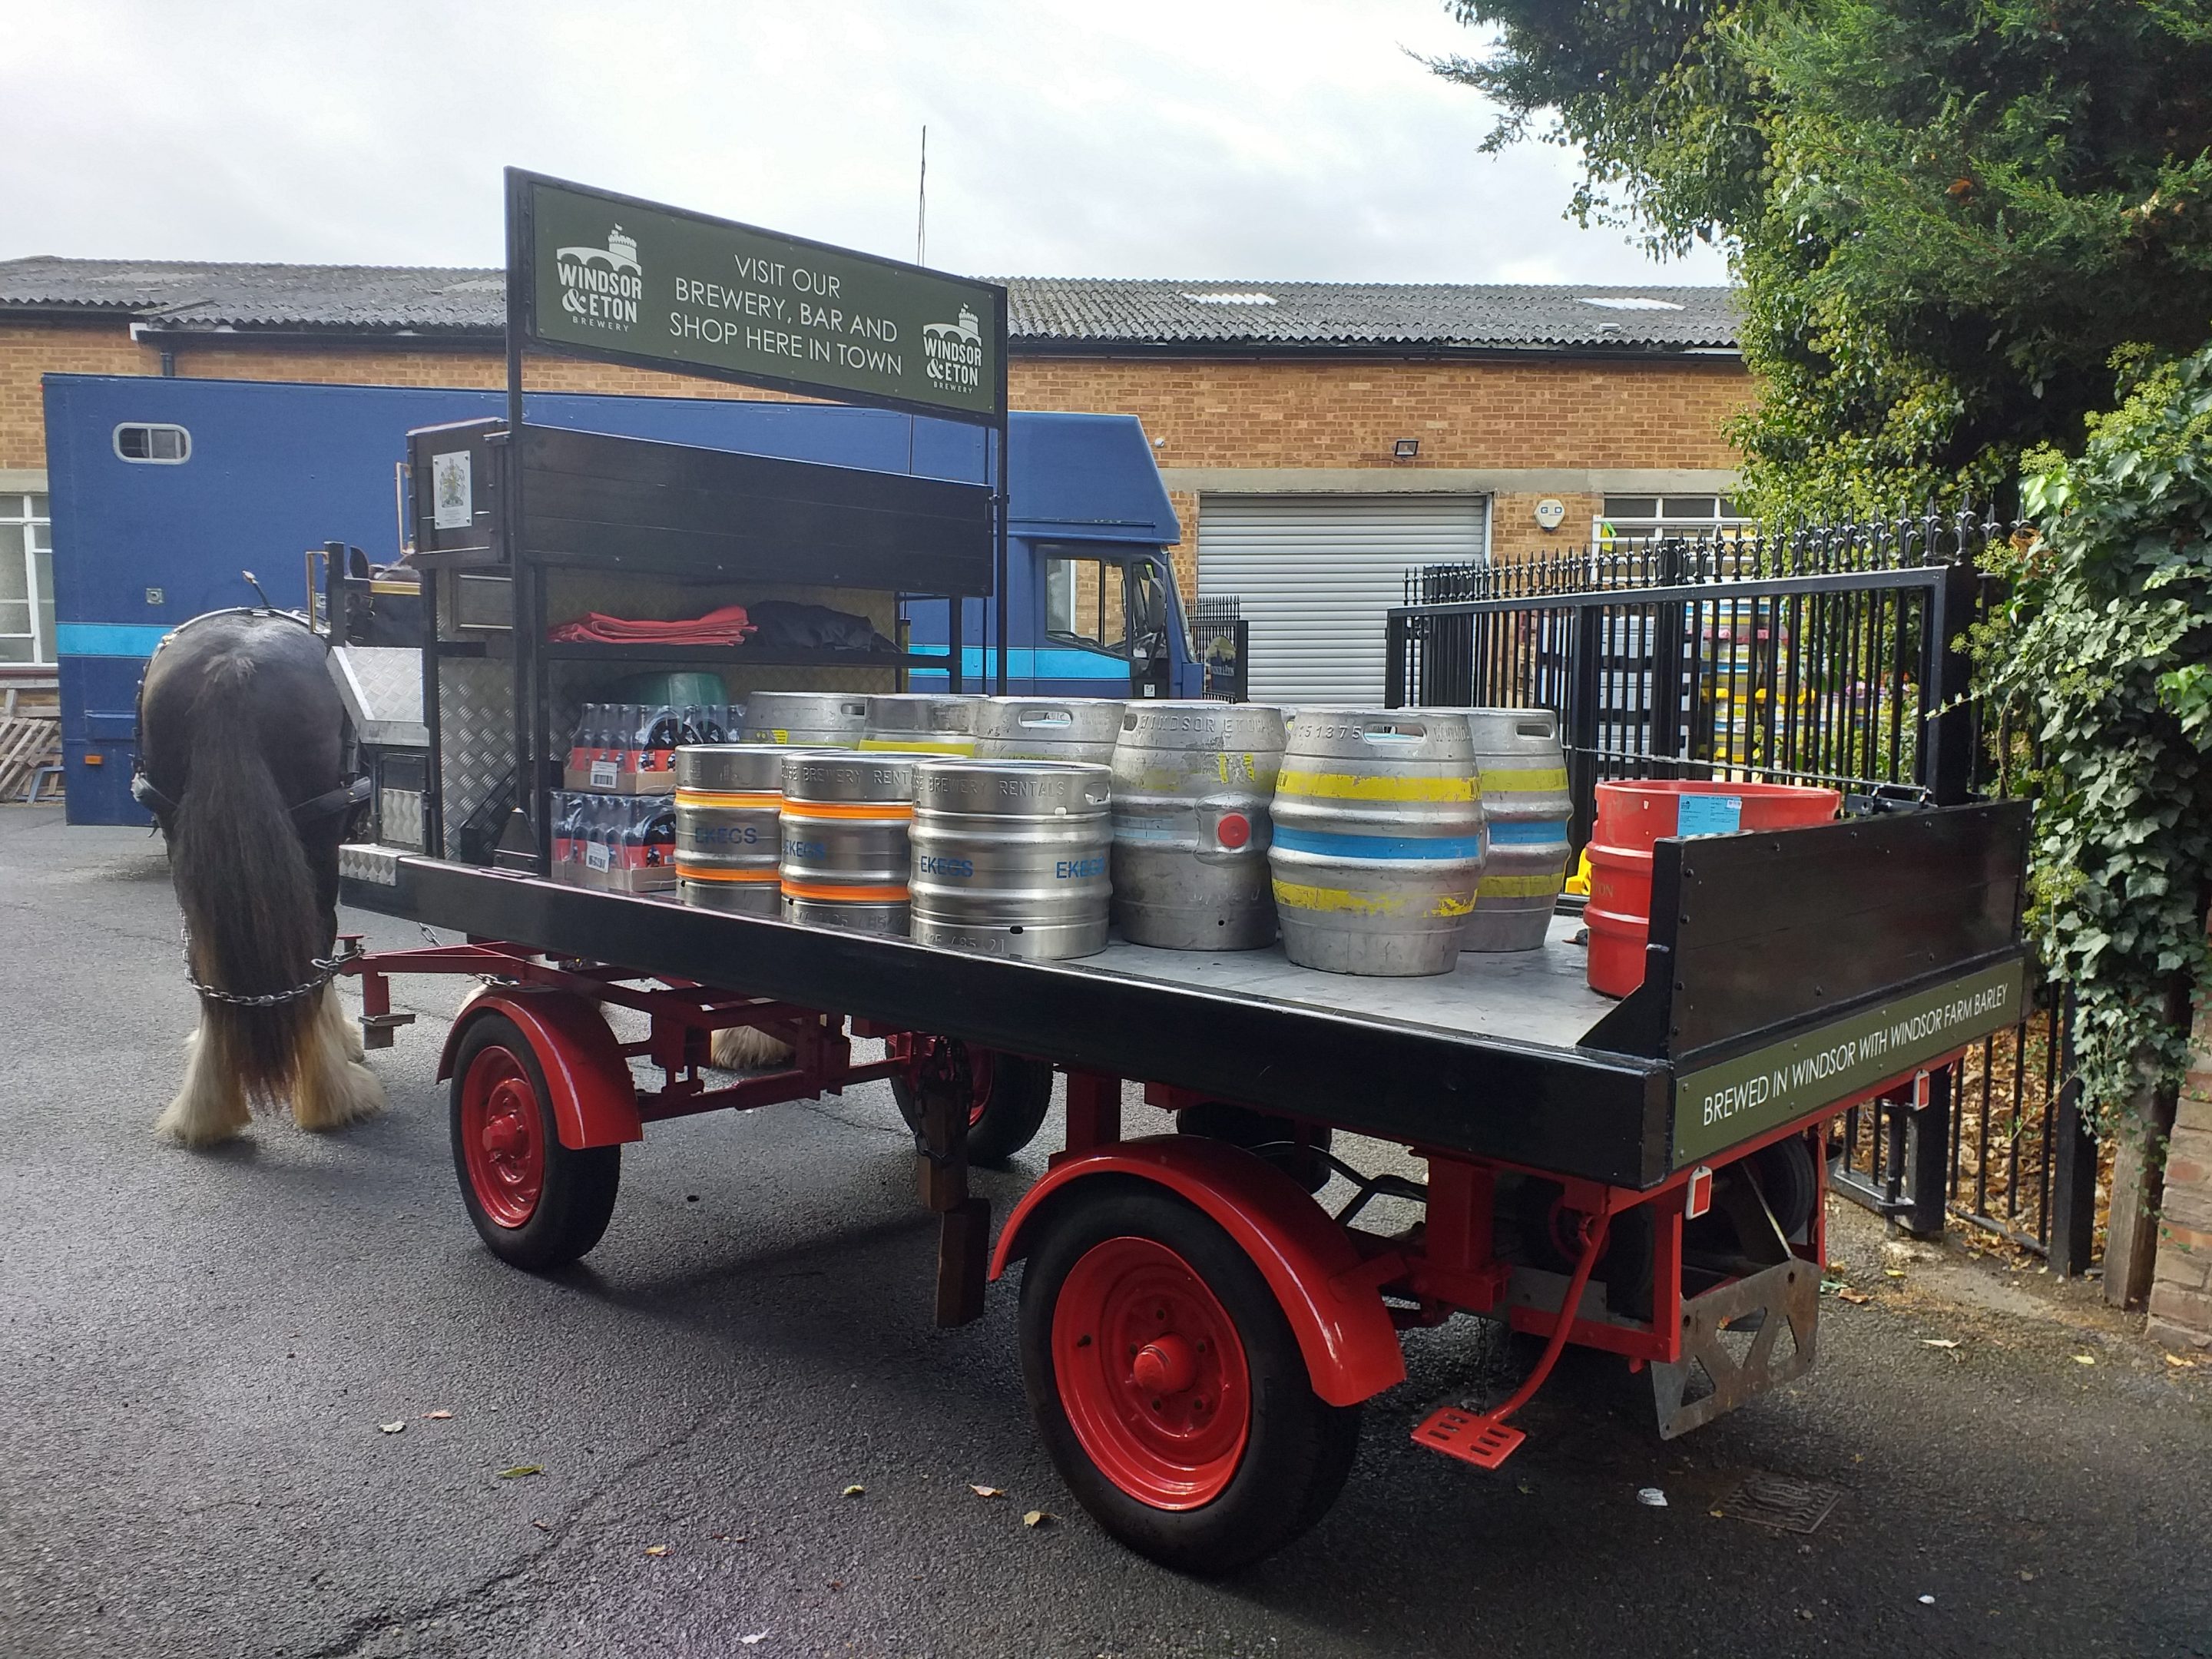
921 202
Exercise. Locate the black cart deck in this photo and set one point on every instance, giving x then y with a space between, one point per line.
1790 973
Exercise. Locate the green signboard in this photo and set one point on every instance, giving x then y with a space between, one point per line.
1723 1105
610 276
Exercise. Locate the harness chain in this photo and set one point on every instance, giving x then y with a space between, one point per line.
325 968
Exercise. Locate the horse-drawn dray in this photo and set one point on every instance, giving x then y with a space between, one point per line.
1198 1333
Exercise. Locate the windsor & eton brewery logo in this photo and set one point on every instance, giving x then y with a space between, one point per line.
954 352
600 287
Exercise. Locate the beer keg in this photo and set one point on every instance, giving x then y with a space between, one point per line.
1010 857
920 723
1192 784
1523 772
845 855
806 719
1081 729
729 799
1378 842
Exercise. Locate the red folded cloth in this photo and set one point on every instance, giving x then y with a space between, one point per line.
726 626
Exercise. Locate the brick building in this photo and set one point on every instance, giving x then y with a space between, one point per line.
1317 438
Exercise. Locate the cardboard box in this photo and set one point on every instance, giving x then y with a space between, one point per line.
617 778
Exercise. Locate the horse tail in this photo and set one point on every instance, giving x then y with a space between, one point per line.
243 883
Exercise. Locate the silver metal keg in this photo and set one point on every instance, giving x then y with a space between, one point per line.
1378 841
920 723
1525 798
1082 729
1010 857
1192 783
806 719
845 850
729 799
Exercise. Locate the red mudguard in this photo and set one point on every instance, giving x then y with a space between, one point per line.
594 1098
1326 1289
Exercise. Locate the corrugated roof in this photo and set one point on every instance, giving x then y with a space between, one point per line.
1084 311
187 294
1074 313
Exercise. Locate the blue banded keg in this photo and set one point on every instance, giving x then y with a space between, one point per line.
1379 841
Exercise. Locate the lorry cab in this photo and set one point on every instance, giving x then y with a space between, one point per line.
1086 619
1091 606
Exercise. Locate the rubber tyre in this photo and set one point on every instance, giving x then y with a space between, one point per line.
1007 1118
1297 1448
576 1196
1788 1182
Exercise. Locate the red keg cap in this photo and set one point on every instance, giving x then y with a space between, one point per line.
1234 830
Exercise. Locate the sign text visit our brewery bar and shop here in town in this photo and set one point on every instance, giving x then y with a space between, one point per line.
606 275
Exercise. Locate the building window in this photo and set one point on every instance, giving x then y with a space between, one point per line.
26 579
166 446
1639 518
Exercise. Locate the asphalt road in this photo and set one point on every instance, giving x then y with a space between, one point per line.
195 1352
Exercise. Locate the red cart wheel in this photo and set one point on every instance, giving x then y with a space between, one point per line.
1167 1385
1152 1373
1009 1097
536 1203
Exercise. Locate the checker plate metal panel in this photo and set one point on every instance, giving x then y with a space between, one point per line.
476 736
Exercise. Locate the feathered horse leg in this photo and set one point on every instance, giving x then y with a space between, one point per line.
746 1049
330 1088
210 1103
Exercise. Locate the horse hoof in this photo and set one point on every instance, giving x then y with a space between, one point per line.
191 1125
745 1049
354 1096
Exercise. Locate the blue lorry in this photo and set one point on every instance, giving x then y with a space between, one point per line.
164 489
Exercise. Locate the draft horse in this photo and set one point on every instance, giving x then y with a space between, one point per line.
245 763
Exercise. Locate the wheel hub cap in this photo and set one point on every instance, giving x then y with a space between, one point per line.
1165 1365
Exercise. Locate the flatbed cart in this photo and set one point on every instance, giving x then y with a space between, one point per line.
1197 1332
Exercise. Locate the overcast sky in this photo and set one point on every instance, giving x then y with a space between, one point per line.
1197 139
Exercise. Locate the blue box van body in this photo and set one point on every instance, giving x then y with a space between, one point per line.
276 468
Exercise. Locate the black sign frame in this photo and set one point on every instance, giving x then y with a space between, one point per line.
522 322
522 334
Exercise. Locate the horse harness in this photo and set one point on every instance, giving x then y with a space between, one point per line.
349 797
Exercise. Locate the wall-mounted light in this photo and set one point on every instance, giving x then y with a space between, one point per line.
1406 449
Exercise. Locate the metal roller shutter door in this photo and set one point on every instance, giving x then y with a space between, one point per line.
1315 574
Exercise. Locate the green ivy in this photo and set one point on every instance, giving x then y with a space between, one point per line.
2100 655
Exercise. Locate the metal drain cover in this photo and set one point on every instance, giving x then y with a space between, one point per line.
1776 1500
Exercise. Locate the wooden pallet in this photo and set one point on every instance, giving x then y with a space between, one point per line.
27 742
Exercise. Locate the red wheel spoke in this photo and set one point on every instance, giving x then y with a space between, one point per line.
1152 1373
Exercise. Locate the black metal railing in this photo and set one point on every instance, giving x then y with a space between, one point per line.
1818 655
1221 642
1823 654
